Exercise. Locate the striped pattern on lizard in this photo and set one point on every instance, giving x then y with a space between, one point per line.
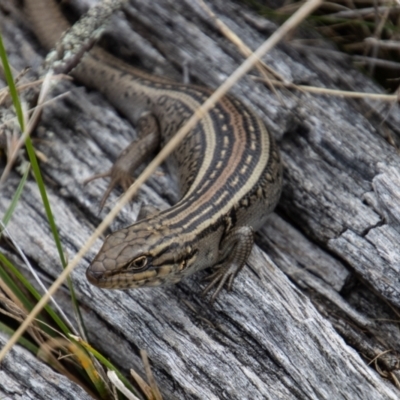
228 168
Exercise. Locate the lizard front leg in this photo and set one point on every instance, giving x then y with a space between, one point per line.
132 156
235 249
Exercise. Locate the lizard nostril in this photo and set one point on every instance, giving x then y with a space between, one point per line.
93 276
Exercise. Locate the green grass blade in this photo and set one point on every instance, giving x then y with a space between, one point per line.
38 175
17 195
14 287
22 341
3 259
11 85
85 360
110 366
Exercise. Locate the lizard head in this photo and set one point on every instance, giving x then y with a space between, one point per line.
142 254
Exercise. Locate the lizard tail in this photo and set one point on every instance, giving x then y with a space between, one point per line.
47 21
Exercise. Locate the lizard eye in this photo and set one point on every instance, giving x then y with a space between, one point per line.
137 263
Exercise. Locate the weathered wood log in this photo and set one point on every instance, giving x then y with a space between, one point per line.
335 233
22 375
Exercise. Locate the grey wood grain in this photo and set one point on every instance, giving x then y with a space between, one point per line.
25 377
301 323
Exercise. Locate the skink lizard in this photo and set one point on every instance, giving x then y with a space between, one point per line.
228 167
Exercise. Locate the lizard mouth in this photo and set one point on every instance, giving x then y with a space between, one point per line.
122 280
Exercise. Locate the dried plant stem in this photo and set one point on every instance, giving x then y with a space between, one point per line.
336 92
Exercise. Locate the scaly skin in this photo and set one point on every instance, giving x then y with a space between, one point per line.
229 171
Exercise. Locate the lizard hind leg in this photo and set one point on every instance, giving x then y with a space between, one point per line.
235 249
132 156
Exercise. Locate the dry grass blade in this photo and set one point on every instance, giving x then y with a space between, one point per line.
395 98
10 295
378 356
377 62
46 353
394 379
363 12
367 34
386 44
150 390
377 34
144 387
337 55
150 377
378 369
5 92
30 111
13 309
31 123
38 280
120 386
264 69
280 33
